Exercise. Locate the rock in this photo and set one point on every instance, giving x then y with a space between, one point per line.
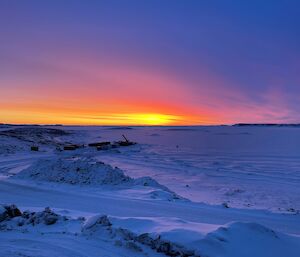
48 216
47 210
164 247
3 213
9 211
12 211
225 205
50 219
98 220
103 220
146 240
126 234
133 246
27 214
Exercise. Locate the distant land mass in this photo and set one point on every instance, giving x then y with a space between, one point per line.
267 124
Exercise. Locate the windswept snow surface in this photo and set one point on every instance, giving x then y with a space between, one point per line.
181 191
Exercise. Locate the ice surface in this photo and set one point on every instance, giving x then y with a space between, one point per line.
241 185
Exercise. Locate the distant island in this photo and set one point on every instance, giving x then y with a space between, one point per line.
266 125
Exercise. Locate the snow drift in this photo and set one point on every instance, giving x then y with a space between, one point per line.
81 170
74 170
232 240
120 236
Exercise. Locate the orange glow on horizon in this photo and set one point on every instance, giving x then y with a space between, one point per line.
150 119
90 93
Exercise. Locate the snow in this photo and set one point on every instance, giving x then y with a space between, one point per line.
78 170
181 191
247 240
73 170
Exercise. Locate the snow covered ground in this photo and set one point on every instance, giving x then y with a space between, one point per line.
181 191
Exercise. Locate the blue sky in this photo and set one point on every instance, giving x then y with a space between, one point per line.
203 61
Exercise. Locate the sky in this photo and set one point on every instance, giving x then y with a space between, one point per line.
149 62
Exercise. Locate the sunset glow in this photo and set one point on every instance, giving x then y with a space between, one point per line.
117 64
104 119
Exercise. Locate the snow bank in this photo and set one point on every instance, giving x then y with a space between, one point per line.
146 236
74 170
81 170
234 240
46 233
100 225
247 240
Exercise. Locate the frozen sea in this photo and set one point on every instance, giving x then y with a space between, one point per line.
257 167
198 190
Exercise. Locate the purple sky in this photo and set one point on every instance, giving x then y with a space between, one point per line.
200 61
